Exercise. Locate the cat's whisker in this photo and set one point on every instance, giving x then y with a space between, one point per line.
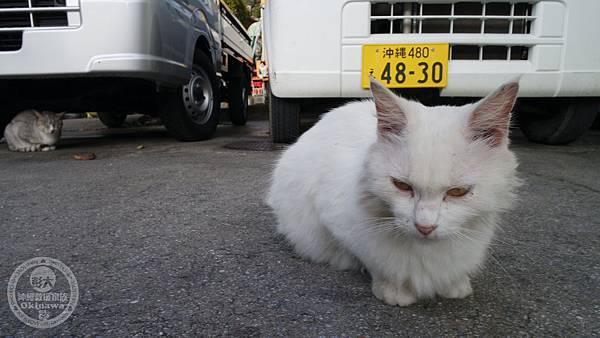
490 252
378 221
495 238
454 238
378 229
379 226
496 242
491 255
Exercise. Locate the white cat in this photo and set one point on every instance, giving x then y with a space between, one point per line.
411 192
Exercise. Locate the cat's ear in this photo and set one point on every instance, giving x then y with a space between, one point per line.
61 115
490 119
38 114
391 117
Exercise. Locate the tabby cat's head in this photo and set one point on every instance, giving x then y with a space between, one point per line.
49 122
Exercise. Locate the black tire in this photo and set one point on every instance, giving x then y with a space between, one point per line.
266 94
191 113
112 120
284 119
238 100
564 123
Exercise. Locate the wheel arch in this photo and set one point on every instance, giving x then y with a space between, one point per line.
203 46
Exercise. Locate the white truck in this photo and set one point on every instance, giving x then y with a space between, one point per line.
173 58
447 49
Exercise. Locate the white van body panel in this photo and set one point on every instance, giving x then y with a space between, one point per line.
314 50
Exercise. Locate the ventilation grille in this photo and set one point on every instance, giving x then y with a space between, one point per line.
48 3
11 41
50 19
459 18
13 3
451 18
16 15
19 15
13 20
491 52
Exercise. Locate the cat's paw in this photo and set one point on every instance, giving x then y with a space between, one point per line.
460 289
393 295
32 148
48 148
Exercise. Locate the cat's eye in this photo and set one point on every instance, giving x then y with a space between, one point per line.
458 192
402 185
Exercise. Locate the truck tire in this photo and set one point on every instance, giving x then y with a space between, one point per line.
563 124
284 119
112 120
238 100
192 112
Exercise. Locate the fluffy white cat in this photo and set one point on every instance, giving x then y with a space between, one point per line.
410 192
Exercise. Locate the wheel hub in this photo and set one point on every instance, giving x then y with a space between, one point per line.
198 97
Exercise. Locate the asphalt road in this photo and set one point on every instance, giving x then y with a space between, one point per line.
174 239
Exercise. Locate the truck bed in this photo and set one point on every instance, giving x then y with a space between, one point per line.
235 39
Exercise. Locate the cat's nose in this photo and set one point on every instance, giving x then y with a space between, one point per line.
425 230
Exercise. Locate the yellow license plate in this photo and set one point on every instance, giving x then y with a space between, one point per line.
407 65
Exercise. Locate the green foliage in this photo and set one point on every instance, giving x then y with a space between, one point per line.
256 11
254 6
241 11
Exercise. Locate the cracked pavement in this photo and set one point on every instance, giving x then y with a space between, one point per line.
175 239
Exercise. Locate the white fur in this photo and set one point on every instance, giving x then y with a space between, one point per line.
335 202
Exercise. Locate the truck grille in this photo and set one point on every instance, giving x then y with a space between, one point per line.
488 52
13 3
454 18
19 15
10 41
11 20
